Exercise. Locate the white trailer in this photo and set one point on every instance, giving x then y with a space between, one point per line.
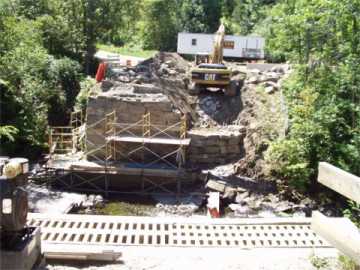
246 47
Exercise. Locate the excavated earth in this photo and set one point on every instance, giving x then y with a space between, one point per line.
223 129
229 135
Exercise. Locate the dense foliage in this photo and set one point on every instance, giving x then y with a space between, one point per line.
322 41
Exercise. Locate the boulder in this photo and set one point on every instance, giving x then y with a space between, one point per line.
253 80
216 185
170 63
163 69
229 194
106 85
172 72
270 89
278 69
271 83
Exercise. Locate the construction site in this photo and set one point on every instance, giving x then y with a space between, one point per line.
153 129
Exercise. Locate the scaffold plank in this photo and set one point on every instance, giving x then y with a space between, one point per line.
133 139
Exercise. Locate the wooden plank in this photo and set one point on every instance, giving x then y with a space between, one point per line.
125 171
80 252
340 181
170 141
339 232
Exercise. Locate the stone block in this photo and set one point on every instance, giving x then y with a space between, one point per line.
233 149
223 149
217 185
234 140
212 150
195 142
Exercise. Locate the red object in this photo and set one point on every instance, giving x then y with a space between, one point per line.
214 213
100 74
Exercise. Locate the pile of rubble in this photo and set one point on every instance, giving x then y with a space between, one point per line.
184 210
163 64
269 79
249 198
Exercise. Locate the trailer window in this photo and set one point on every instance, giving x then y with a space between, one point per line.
229 44
193 42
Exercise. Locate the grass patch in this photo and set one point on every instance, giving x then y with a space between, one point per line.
127 50
346 263
319 263
125 209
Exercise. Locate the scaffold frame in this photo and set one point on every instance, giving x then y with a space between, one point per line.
107 155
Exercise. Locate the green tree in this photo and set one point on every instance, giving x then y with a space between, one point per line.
248 13
200 16
158 29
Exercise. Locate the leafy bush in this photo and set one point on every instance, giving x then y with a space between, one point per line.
34 86
8 132
321 40
320 128
64 76
87 88
353 212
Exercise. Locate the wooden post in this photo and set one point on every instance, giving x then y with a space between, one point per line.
339 180
50 140
340 232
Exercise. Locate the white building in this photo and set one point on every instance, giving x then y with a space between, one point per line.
246 47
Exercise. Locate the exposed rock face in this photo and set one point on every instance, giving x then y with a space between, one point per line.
264 116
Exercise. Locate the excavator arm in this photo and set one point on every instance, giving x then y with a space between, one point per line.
217 54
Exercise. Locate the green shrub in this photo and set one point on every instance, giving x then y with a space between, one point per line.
64 77
87 88
320 127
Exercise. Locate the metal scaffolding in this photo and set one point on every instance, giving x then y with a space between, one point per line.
123 134
140 149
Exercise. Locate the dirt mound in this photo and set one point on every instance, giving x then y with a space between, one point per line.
165 61
265 117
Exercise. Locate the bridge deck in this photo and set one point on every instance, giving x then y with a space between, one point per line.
116 231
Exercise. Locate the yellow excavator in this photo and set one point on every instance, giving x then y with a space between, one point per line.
211 73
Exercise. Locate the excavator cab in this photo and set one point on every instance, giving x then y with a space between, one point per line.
210 73
202 58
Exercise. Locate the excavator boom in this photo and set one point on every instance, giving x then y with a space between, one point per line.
217 54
